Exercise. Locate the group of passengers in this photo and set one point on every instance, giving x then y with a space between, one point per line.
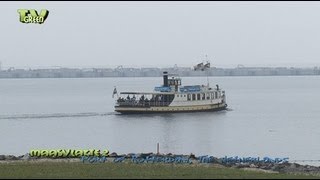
133 100
142 101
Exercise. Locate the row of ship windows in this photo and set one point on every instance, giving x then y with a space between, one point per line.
202 96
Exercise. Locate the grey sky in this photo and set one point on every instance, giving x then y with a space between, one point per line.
149 34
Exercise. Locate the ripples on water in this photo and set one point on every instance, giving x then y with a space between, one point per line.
55 115
266 116
63 115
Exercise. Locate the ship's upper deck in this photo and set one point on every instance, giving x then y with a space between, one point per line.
172 85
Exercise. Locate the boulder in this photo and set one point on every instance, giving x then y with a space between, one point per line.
144 155
25 157
113 154
192 156
11 157
253 166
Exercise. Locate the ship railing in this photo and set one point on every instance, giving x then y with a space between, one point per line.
133 104
159 103
142 103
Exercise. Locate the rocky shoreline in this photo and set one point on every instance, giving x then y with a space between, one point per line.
275 167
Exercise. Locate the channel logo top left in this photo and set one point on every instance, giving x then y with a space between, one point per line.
32 16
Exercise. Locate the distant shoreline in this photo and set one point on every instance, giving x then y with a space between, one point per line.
155 72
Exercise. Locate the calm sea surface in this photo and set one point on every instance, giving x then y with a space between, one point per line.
267 116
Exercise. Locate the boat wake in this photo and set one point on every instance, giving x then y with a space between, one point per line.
54 115
229 109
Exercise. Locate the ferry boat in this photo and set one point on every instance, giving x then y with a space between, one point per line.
172 97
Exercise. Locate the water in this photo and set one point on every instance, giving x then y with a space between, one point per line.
268 116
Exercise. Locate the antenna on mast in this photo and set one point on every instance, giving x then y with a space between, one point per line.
208 66
203 67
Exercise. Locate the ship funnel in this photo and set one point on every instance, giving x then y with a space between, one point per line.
165 79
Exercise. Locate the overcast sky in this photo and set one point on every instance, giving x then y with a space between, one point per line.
150 34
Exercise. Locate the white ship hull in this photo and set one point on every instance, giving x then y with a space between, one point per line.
171 109
178 105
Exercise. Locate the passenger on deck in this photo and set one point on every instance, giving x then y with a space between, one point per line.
120 99
142 98
146 102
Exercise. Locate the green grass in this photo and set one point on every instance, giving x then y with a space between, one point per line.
129 170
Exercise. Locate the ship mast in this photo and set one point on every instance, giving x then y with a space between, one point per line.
207 71
203 67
